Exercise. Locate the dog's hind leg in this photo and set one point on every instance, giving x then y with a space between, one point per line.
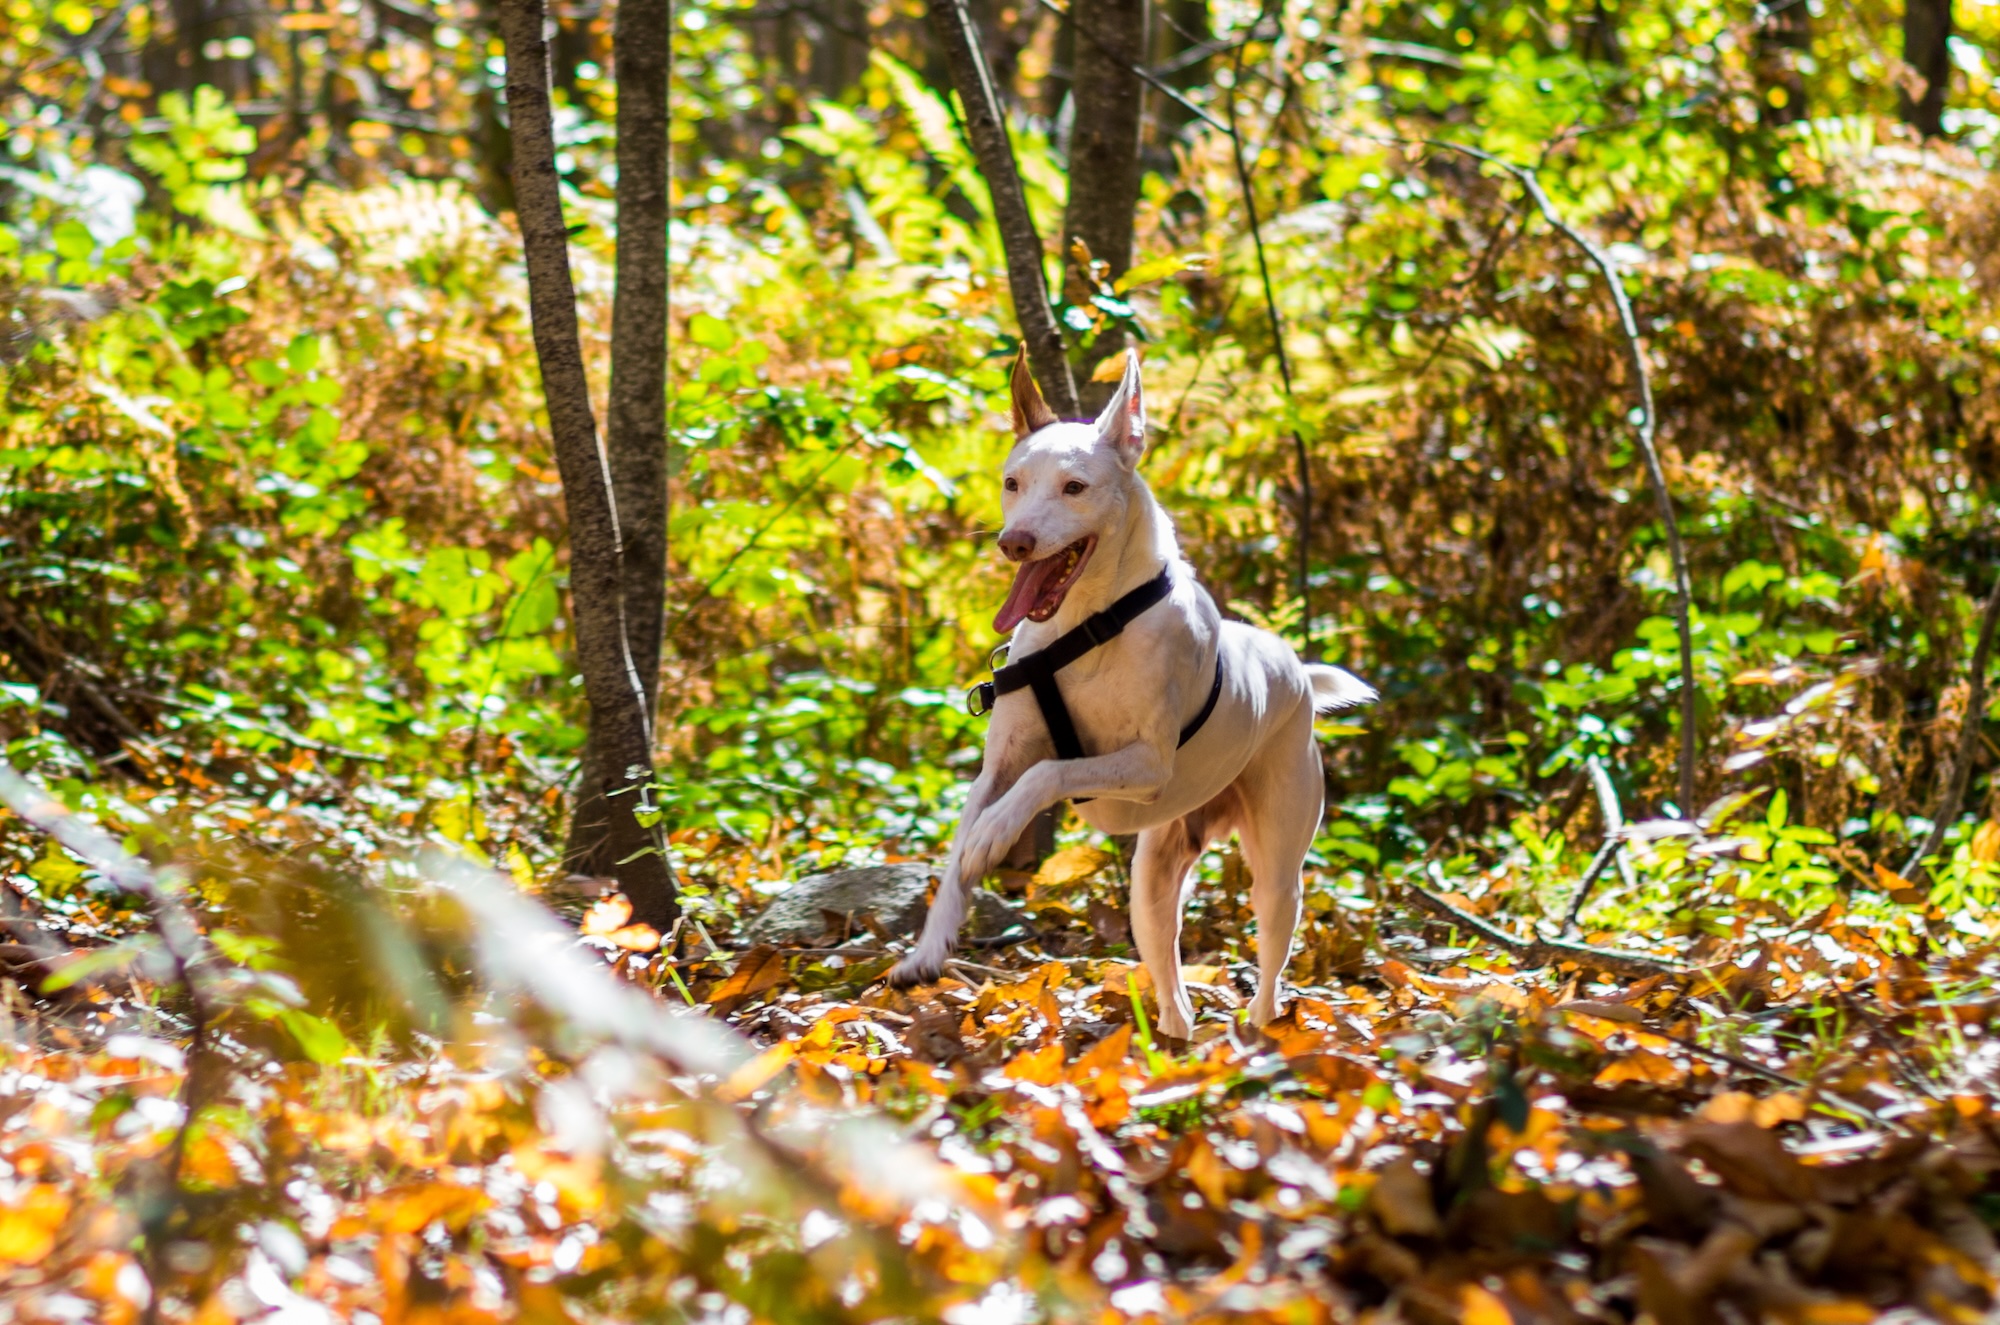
1283 796
1159 890
1159 886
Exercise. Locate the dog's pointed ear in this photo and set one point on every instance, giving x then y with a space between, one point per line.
1123 423
1031 412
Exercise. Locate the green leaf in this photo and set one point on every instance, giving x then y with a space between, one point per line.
318 1038
711 333
88 967
74 241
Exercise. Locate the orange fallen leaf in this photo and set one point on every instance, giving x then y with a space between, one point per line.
745 1080
29 1224
1476 1306
607 916
1642 1065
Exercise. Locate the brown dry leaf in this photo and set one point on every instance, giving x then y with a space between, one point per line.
1750 1161
1642 1065
1401 1202
761 968
1986 843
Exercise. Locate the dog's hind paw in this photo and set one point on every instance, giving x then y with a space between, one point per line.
916 969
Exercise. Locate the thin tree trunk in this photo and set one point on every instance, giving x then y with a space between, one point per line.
1927 50
958 37
1784 38
620 761
1104 156
635 426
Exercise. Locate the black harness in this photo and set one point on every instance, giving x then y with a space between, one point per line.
1038 670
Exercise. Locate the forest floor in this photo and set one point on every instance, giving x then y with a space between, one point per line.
1791 1124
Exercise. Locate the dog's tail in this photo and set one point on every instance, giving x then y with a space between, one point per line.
1333 689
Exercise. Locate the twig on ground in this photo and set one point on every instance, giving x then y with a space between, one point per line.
1968 736
1540 951
1613 848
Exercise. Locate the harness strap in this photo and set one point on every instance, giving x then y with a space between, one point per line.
1037 671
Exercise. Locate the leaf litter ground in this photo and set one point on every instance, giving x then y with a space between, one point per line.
1799 1128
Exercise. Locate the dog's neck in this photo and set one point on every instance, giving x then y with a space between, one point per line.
1141 548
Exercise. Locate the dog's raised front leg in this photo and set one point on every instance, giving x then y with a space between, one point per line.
1135 773
926 961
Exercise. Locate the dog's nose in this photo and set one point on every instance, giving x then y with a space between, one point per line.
1015 545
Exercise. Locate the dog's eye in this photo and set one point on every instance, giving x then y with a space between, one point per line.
1013 485
1072 488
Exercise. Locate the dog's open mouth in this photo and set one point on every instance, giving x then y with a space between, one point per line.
1039 586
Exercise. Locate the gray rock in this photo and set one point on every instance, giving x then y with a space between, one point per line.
894 896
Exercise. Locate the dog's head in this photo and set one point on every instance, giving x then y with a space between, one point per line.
1064 486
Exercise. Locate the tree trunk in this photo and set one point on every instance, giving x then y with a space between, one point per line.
1104 160
1927 50
1783 38
958 37
619 762
636 422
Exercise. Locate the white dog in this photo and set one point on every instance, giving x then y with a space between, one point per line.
1190 727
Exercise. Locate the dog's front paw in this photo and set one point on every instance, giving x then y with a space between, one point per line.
987 843
918 968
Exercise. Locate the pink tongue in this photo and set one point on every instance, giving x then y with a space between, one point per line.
1029 583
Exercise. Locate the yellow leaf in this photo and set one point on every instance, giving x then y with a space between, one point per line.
28 1226
1111 369
745 1080
1873 562
1071 865
1986 843
1476 1306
